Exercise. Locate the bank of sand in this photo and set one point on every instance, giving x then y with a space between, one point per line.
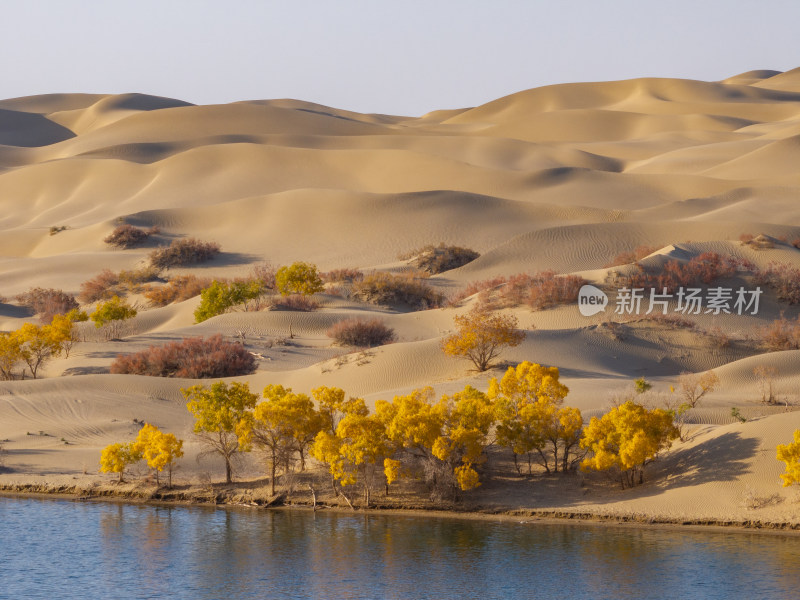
562 177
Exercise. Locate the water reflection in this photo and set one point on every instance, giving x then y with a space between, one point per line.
125 551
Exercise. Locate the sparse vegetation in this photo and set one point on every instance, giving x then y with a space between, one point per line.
364 333
183 252
438 259
128 236
192 358
58 229
404 290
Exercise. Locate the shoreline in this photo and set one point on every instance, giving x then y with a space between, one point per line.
497 514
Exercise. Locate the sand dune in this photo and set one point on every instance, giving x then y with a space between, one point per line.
563 177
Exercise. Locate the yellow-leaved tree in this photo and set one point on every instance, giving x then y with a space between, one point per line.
790 455
159 449
443 441
10 355
38 344
531 421
223 418
481 335
285 424
115 458
468 416
627 438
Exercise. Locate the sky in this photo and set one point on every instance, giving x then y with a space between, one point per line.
380 56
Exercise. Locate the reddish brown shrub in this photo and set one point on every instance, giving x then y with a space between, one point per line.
128 236
704 268
343 276
265 273
192 358
364 333
475 287
746 238
183 252
47 302
784 279
102 286
796 243
405 289
177 289
295 302
781 334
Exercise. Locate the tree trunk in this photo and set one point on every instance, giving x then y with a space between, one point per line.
228 470
272 472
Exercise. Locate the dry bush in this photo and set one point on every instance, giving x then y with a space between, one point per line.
364 333
102 286
475 287
625 258
128 236
177 289
294 302
192 358
550 289
405 289
47 302
746 238
704 268
265 274
107 284
438 259
796 243
718 338
783 279
183 252
542 290
781 334
671 320
346 275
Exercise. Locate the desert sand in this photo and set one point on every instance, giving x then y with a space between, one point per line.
562 177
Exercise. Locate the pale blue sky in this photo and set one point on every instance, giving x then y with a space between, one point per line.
406 57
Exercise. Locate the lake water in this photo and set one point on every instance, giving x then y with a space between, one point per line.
62 549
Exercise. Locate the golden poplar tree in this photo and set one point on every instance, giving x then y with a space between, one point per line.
627 438
159 449
790 455
115 458
481 335
223 418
